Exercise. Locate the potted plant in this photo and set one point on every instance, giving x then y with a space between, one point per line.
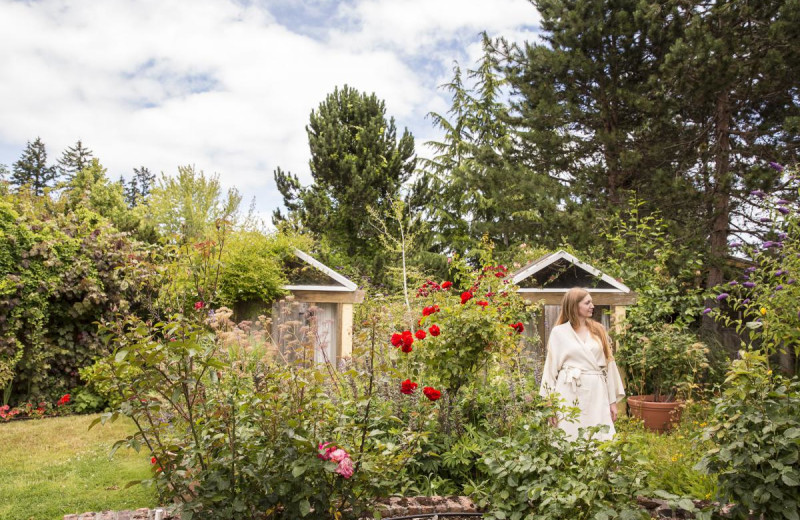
660 364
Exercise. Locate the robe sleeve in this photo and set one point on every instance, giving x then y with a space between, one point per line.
552 365
614 383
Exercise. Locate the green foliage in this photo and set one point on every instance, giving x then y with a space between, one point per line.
73 160
187 208
764 298
475 188
32 170
233 434
655 347
756 430
665 362
669 459
60 275
254 267
91 189
357 160
535 473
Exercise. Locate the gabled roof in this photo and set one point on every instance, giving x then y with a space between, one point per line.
559 271
316 276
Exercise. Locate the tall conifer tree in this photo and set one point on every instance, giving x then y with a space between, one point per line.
32 169
74 159
357 160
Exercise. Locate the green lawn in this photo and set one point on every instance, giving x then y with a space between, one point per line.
53 467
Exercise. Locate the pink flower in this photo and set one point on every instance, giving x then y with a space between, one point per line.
328 447
338 455
345 468
199 305
483 303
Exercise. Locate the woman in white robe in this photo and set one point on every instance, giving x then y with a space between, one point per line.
579 368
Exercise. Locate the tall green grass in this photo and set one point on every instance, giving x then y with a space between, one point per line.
56 466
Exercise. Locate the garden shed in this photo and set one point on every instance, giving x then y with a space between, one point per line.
548 278
320 312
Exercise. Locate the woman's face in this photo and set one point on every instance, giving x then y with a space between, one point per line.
586 307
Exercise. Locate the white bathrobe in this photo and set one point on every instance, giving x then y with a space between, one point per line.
578 372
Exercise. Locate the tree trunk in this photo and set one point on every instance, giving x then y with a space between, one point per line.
720 197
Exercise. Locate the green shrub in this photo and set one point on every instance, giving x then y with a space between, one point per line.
756 430
536 473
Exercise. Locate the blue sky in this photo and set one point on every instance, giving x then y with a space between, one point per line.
226 85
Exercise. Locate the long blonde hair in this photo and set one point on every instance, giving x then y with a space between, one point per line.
569 313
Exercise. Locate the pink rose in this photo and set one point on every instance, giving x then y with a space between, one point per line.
339 455
345 468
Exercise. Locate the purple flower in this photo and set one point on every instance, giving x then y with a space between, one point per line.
783 236
736 244
767 244
782 202
722 296
758 193
778 287
779 272
798 315
790 281
765 219
783 211
749 285
746 301
749 269
706 310
733 282
745 277
775 166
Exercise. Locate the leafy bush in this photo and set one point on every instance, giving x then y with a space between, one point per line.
234 434
756 429
664 361
59 275
536 473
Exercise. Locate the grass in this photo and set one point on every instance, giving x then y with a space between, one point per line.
56 466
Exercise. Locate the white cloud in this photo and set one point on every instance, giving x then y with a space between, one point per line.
224 85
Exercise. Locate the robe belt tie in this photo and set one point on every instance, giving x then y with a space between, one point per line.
572 375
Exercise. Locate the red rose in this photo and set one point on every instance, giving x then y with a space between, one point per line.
431 393
153 460
519 327
465 297
406 348
499 274
408 339
397 339
483 303
447 285
434 330
64 400
407 387
420 334
199 305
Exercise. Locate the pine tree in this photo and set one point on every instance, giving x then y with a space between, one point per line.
735 71
138 189
585 112
74 159
356 161
31 169
475 187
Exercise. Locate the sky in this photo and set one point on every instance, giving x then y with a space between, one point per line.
227 85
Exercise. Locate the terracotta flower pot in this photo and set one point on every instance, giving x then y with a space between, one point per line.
658 416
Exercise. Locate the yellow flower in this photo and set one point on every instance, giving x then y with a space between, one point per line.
674 459
763 311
